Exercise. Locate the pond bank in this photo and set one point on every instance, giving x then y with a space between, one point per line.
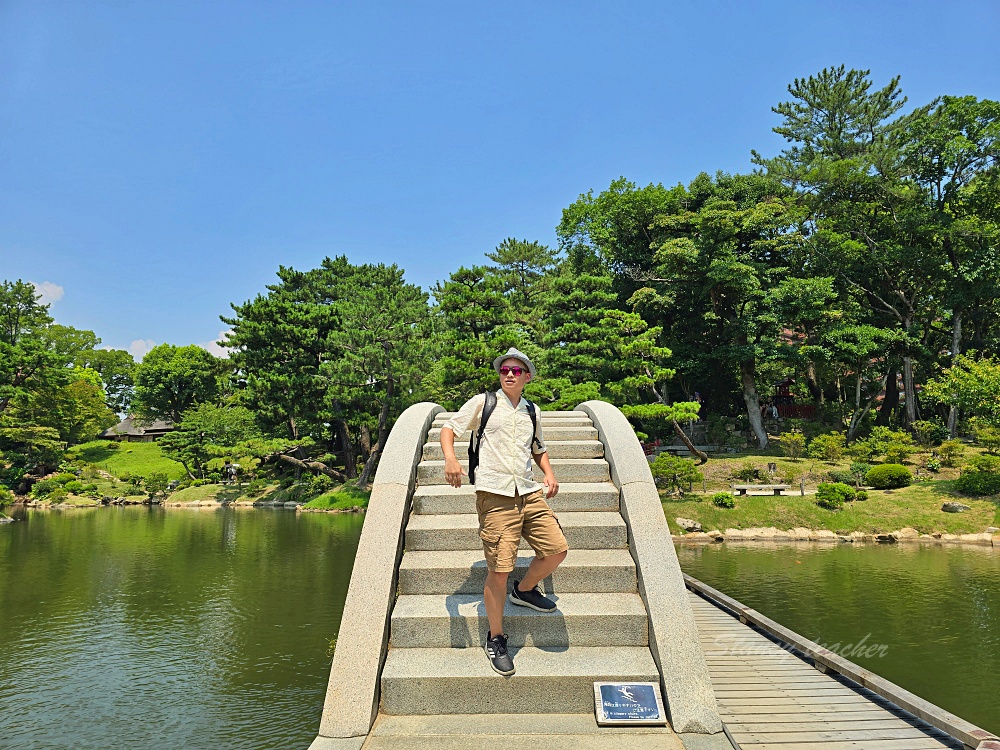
772 534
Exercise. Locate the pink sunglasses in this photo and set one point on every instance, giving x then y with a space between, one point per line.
515 371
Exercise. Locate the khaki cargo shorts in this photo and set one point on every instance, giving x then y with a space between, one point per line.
504 520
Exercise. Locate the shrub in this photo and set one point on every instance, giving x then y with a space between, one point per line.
723 500
133 491
747 471
75 486
929 433
878 442
951 452
888 476
321 483
255 488
861 495
57 495
934 465
44 487
987 436
978 483
6 496
859 469
156 484
793 444
980 477
833 495
828 447
789 474
674 472
898 451
64 477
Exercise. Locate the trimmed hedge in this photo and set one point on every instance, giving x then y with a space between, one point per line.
888 476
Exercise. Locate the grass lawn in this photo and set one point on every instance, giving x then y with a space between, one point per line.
223 493
917 506
342 498
132 458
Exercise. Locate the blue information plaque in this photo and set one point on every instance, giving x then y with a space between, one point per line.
627 703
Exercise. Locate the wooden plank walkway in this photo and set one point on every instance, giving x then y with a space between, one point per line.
771 699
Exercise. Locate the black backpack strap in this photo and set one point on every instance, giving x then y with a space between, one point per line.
489 404
534 424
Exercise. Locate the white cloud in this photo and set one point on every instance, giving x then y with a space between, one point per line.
140 347
217 347
50 291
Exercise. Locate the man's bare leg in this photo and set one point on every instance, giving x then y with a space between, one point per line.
540 568
494 597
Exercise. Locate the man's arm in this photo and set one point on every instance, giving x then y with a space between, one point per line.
551 485
453 471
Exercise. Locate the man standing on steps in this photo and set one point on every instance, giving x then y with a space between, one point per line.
510 503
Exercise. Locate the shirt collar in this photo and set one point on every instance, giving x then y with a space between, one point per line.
521 406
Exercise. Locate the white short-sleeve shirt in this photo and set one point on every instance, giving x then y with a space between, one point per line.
507 448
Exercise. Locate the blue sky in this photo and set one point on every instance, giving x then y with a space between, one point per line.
159 160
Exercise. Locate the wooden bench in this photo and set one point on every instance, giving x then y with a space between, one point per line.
741 489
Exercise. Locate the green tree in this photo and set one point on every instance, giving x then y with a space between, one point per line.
473 324
381 340
171 379
522 268
78 410
971 385
26 360
206 431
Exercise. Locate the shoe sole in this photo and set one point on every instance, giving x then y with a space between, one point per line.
505 674
521 603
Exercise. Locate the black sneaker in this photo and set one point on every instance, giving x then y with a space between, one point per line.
496 652
533 599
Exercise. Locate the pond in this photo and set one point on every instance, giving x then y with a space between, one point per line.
924 617
149 628
141 627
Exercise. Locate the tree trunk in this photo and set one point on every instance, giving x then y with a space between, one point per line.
383 425
366 443
747 370
347 448
812 383
956 349
687 441
301 465
909 392
891 400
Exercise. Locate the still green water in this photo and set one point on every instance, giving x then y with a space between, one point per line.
146 628
151 628
935 610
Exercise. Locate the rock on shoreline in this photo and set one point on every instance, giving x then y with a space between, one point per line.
772 534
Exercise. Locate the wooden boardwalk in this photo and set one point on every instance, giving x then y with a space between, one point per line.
773 699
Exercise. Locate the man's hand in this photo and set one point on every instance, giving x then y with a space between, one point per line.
551 485
453 472
452 468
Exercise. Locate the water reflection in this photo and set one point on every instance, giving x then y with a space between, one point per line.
933 610
138 627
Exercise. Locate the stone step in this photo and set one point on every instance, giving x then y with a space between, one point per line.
438 499
555 449
544 412
583 530
566 470
459 621
460 680
464 572
550 432
517 731
547 422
